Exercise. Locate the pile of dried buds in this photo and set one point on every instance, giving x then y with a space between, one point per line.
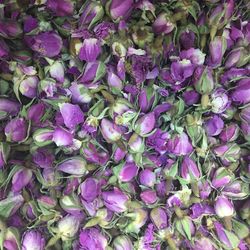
124 124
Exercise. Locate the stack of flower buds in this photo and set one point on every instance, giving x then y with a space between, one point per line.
124 124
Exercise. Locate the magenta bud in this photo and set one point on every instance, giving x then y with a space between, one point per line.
119 154
61 7
43 136
223 207
219 101
230 133
241 94
221 177
28 87
147 178
122 242
30 23
74 165
62 137
11 239
90 50
245 114
119 9
228 152
180 145
10 28
36 112
128 172
146 99
114 80
4 49
21 179
80 94
72 115
48 44
115 200
191 97
236 190
237 57
145 124
159 217
187 39
162 24
110 131
89 189
33 240
46 202
149 196
29 210
189 169
8 107
214 125
92 237
16 130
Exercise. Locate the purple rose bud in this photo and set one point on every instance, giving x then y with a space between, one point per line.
122 242
46 202
61 7
219 101
136 144
205 189
214 125
203 244
12 239
241 94
90 50
68 227
145 124
10 28
119 9
147 178
191 97
62 137
189 169
92 238
72 115
114 80
180 145
128 172
43 136
21 179
10 205
115 200
230 133
194 55
231 74
30 211
187 39
148 196
237 58
48 44
4 49
74 165
228 239
8 107
71 204
217 48
110 131
30 23
159 217
146 99
203 80
33 240
4 153
28 87
245 114
223 207
221 177
228 152
48 86
16 130
236 189
119 154
89 189
162 24
56 71
36 112
92 13
80 94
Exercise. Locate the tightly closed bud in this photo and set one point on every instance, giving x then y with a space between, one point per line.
10 205
122 242
72 115
36 112
110 131
56 71
43 136
237 58
163 24
21 179
236 190
159 217
189 169
148 196
241 94
228 152
139 217
223 207
80 94
136 144
71 204
204 244
115 200
221 177
33 240
61 7
43 158
90 50
147 178
46 203
128 172
16 130
146 99
89 189
214 125
145 124
68 227
230 133
8 107
10 28
114 81
74 165
203 80
219 101
28 87
12 239
30 211
119 9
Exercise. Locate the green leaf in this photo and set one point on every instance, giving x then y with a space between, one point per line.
186 227
101 70
234 240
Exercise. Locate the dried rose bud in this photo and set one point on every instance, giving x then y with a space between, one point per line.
128 172
223 207
89 189
122 242
159 217
33 240
62 137
119 9
110 131
28 87
16 130
90 50
74 165
145 124
21 179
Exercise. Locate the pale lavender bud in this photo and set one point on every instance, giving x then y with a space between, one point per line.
122 242
16 130
149 196
147 178
89 189
62 137
145 124
223 207
159 217
128 172
33 240
74 165
110 131
214 125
